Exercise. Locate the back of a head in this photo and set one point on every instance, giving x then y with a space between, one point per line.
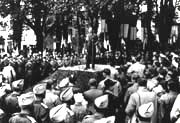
92 82
107 71
19 119
135 76
173 85
142 82
162 72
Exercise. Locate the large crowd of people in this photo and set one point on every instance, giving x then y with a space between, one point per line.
141 91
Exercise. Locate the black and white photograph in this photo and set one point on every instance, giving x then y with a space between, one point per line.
89 61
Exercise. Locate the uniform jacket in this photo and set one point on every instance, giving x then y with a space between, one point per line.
166 102
145 97
41 112
130 91
9 73
116 89
175 112
22 118
51 100
80 110
11 103
90 95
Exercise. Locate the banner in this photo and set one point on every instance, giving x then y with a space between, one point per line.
124 30
133 32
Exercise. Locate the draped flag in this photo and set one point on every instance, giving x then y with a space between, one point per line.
124 30
99 27
63 42
69 39
133 32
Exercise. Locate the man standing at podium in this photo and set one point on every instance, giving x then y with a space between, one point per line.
91 51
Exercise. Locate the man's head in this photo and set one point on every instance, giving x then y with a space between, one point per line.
26 100
40 91
18 85
134 77
92 82
142 82
173 85
106 72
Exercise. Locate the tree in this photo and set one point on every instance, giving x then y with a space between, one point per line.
13 8
165 22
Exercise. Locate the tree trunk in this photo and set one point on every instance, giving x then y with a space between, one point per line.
39 38
150 39
166 16
17 32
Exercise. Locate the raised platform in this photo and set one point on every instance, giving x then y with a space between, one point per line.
98 67
83 76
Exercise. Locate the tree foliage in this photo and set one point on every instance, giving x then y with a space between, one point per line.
41 15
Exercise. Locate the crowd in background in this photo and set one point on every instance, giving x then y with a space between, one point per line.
138 92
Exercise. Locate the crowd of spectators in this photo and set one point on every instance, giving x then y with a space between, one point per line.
141 91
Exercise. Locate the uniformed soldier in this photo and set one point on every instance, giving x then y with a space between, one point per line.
61 114
66 96
9 72
28 74
91 51
25 102
101 104
91 94
116 88
11 100
41 110
51 99
79 107
64 83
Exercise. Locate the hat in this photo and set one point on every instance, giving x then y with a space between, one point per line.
64 82
110 119
59 113
67 94
26 99
18 84
102 102
145 111
39 89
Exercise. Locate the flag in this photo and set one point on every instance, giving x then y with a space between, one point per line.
124 30
69 39
62 42
133 32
